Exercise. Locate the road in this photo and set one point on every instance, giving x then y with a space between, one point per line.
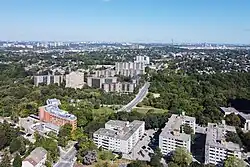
67 160
139 97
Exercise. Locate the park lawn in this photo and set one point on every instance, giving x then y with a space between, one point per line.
102 112
145 109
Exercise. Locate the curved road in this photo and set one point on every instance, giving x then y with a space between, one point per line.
139 97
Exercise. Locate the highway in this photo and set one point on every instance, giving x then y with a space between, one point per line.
67 160
139 97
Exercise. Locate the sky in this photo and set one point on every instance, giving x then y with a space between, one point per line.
183 21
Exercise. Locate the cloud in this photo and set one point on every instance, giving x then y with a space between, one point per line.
247 29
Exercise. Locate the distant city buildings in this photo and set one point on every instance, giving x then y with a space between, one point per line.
173 136
75 80
97 82
130 69
143 59
217 149
48 79
52 114
104 73
124 87
36 158
119 136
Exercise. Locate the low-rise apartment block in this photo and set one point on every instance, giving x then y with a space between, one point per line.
119 136
217 149
36 158
173 136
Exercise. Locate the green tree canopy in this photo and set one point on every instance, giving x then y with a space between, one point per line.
233 161
233 120
17 161
182 157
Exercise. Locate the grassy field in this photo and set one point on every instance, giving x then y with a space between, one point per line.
145 109
102 112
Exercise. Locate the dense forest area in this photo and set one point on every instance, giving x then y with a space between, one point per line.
197 95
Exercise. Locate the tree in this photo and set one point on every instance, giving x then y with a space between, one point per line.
195 164
233 161
5 161
138 163
187 129
3 140
64 135
233 137
172 164
233 120
155 160
182 157
17 161
15 145
48 164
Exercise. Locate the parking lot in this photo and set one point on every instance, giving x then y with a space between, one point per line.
142 151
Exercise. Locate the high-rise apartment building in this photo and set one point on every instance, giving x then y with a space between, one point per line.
130 69
217 149
97 82
119 136
75 80
143 59
48 79
173 136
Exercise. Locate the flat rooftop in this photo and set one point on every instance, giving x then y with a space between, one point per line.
55 110
173 126
215 137
229 110
122 130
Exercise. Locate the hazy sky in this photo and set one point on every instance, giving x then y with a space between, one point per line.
223 21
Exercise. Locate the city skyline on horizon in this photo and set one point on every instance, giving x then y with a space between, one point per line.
141 21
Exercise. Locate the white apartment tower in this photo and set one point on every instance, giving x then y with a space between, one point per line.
48 79
217 149
75 80
130 69
119 136
143 59
172 135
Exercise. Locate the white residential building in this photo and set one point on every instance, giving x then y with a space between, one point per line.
75 80
97 82
119 136
104 73
120 87
216 147
172 135
244 116
130 69
143 59
48 79
36 158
